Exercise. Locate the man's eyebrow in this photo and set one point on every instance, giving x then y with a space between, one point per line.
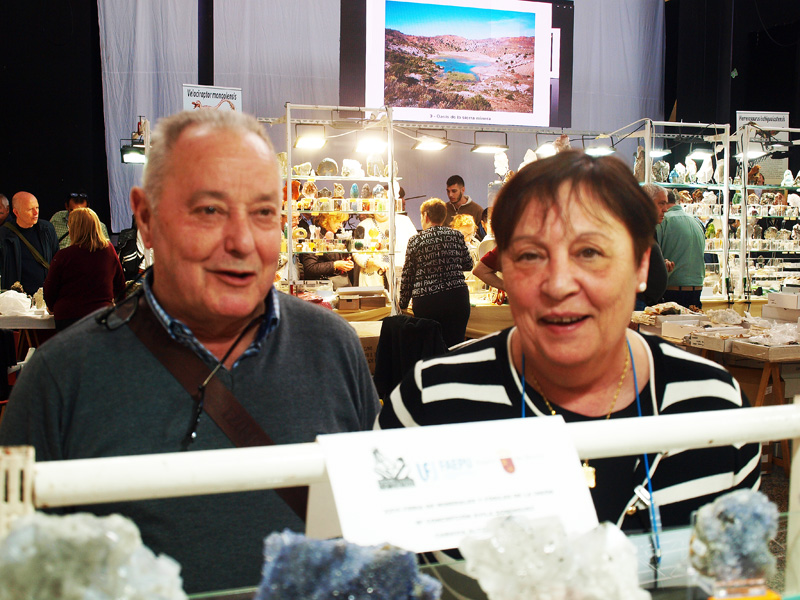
216 194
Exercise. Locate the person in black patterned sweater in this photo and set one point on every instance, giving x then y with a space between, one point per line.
433 274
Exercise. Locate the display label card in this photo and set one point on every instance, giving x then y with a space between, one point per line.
208 96
426 488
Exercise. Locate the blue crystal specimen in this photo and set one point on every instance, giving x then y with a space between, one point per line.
732 534
354 190
299 567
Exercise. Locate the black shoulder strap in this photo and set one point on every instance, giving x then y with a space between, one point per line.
220 404
39 258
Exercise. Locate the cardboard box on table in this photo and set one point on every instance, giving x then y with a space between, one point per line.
359 298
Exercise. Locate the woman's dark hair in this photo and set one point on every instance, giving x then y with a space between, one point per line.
436 210
605 180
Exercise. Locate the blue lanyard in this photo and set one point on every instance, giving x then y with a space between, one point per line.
655 520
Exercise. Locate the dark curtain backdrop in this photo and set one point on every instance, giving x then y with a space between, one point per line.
53 132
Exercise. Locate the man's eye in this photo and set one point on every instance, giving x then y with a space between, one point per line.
210 210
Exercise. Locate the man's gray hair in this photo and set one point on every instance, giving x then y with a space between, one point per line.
3 200
653 190
169 129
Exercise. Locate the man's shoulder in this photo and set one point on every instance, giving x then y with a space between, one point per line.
60 216
46 226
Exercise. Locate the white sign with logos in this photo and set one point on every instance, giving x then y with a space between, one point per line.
771 168
207 96
426 488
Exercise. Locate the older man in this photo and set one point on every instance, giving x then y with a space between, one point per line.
27 244
210 207
683 244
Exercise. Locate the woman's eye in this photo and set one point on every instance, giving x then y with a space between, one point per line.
589 252
527 256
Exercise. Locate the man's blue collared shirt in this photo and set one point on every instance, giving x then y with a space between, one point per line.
179 332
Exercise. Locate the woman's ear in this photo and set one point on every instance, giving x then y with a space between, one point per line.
644 266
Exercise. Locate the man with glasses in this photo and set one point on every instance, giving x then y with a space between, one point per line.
208 356
59 220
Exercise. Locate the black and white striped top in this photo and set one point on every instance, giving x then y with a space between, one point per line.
477 381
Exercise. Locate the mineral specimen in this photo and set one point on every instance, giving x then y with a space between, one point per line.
352 168
327 168
354 190
365 191
706 171
83 557
661 171
691 171
788 178
298 567
303 170
338 190
638 164
375 165
731 536
536 560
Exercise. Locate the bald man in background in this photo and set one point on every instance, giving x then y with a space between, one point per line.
28 244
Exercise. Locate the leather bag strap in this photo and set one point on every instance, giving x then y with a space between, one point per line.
38 257
220 404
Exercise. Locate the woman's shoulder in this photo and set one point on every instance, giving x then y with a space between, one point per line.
688 378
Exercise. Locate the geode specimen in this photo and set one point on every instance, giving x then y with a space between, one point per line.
299 567
327 168
731 537
81 557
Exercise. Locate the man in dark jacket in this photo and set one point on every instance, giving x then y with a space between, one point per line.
28 244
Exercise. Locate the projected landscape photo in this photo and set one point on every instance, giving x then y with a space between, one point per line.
459 58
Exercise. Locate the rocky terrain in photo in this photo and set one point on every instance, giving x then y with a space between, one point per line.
502 79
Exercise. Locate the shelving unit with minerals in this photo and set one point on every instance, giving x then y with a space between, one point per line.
350 188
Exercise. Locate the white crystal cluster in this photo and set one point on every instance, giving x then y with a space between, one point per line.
536 560
83 557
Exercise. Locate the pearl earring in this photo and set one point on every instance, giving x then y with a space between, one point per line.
643 286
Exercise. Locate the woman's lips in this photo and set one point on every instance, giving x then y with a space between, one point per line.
563 320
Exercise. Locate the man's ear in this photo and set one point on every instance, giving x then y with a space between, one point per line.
140 205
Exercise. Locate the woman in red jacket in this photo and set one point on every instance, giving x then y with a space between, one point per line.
84 276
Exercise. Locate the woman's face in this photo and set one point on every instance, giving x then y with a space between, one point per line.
571 279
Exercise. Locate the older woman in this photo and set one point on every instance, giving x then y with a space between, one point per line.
574 234
433 274
84 276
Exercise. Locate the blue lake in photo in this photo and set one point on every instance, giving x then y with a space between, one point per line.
461 66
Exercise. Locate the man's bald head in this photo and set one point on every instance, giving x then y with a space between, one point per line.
26 209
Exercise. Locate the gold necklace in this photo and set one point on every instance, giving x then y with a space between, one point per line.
588 472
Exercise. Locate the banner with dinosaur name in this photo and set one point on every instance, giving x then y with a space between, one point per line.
207 96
